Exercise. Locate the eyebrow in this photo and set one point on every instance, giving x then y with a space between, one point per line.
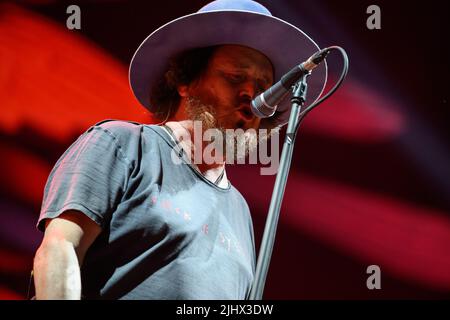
243 66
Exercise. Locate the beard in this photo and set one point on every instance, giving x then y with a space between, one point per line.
237 142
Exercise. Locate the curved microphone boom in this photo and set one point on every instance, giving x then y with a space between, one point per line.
265 104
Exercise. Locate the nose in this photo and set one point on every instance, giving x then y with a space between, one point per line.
250 89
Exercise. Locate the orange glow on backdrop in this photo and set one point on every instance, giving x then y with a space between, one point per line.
57 82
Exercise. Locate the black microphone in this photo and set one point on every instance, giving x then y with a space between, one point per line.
265 104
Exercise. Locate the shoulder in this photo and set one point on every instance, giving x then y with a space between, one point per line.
118 128
122 128
125 133
128 136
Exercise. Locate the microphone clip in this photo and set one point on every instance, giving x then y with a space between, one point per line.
300 90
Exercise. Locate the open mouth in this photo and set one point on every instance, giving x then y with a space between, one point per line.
246 113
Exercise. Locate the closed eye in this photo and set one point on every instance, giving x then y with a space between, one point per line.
235 77
238 78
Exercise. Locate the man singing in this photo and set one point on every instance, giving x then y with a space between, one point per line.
128 212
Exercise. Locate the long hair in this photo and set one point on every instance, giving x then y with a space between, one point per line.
183 68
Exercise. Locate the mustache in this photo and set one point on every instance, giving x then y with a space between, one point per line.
239 103
208 110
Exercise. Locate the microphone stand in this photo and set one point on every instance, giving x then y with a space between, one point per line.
265 252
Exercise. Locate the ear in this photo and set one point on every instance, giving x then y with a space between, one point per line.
183 90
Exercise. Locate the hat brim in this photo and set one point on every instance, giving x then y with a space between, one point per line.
284 44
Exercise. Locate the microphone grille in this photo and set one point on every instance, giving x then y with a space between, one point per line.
260 108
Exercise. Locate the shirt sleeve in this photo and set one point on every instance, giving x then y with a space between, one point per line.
90 177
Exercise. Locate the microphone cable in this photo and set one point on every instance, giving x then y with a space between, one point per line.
330 92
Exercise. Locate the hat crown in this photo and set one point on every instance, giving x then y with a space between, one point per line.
242 5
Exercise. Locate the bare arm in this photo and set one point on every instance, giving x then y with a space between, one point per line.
58 259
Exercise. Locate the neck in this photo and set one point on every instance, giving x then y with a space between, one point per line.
190 139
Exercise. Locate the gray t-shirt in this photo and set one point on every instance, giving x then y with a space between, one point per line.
167 231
